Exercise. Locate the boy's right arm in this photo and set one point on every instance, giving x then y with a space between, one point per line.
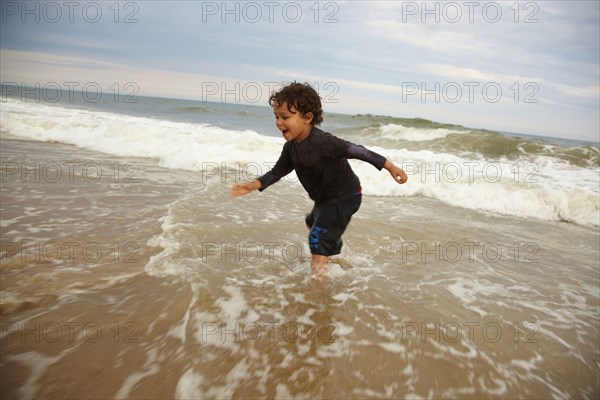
242 188
282 167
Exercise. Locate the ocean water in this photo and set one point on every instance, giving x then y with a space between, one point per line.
127 266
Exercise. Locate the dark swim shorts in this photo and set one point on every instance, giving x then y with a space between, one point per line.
327 223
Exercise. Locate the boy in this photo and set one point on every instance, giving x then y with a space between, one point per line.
321 163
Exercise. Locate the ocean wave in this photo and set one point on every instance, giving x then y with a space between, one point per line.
413 134
420 134
510 176
178 145
193 109
493 145
546 189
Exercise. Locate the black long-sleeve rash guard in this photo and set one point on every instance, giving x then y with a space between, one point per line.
321 163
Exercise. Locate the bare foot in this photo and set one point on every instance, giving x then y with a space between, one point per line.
319 272
319 266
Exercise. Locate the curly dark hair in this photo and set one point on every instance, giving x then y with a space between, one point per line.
302 97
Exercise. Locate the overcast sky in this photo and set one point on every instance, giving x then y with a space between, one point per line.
528 67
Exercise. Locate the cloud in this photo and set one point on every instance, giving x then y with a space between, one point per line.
33 68
73 41
370 53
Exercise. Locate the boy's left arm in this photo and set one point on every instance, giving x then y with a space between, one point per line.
397 173
352 150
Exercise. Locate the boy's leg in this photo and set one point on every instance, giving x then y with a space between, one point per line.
319 265
327 223
318 262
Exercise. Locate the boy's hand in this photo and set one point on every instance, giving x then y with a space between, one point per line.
397 173
240 189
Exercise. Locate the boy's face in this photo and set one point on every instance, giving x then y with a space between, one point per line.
292 124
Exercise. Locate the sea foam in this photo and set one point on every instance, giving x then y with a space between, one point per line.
546 188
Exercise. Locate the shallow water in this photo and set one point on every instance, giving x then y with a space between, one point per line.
197 295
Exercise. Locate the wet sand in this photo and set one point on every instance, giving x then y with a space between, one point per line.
151 283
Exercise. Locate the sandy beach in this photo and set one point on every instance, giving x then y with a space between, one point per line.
152 283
